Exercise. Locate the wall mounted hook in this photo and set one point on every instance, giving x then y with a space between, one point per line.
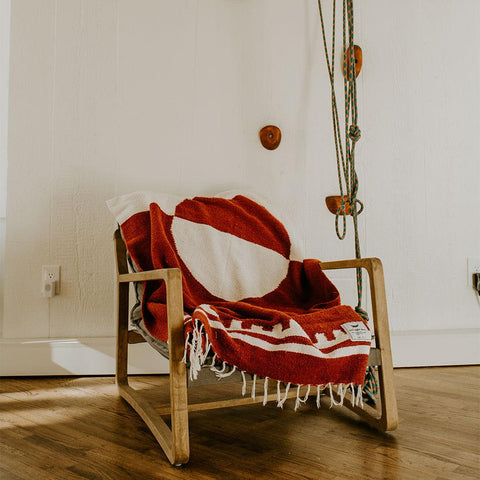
270 136
358 58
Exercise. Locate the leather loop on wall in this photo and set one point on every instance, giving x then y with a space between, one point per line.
270 136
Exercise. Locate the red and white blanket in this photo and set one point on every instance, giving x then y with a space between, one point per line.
250 304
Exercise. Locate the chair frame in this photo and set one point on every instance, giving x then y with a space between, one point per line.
174 440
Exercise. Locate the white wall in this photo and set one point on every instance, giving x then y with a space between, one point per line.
4 71
113 96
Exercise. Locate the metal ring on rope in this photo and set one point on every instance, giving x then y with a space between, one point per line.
361 206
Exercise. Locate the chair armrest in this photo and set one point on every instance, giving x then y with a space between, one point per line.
159 274
368 263
174 302
374 268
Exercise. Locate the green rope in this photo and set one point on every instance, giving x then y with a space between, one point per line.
345 151
346 171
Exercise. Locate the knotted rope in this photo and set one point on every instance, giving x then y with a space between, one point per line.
345 151
347 175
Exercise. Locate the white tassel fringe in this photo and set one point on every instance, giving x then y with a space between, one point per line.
198 347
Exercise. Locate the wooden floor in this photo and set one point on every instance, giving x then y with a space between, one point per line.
78 428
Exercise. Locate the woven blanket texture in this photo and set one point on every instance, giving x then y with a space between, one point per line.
250 304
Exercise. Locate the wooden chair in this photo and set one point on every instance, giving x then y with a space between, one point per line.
175 440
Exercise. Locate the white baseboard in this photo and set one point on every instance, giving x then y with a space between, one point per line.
96 356
424 348
76 356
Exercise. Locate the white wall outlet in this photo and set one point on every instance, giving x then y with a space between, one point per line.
473 267
50 280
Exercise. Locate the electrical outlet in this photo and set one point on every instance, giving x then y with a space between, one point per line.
476 282
50 280
473 267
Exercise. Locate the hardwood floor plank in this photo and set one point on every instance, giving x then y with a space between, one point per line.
79 428
6 475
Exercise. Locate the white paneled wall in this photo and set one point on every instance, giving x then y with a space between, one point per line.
111 96
4 62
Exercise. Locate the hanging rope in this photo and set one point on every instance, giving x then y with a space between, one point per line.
347 175
345 151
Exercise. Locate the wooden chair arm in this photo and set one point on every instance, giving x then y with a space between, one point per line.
367 263
374 268
174 301
159 274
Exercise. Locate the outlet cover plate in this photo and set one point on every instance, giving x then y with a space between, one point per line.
52 273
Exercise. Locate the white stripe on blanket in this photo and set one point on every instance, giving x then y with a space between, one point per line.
294 347
277 331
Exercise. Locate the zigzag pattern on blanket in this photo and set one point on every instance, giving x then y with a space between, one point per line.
248 298
198 351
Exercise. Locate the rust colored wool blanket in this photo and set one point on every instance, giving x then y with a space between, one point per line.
250 304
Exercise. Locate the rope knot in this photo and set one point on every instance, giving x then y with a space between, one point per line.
362 312
354 133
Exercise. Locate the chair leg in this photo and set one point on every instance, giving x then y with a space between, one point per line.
179 414
178 371
389 416
174 441
121 373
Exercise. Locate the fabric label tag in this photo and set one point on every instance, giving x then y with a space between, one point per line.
358 331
